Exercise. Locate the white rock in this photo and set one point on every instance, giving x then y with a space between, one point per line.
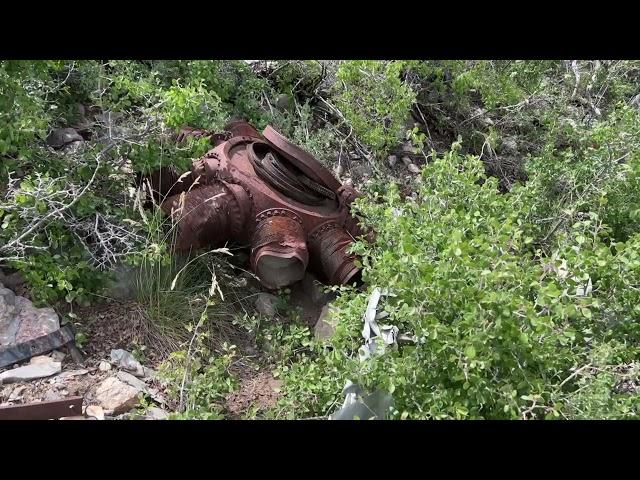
95 411
30 372
104 366
116 396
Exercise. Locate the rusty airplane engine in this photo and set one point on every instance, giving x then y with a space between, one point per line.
262 191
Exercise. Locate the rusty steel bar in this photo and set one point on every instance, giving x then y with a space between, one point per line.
43 410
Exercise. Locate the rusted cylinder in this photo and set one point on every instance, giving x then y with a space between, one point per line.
329 245
201 217
279 255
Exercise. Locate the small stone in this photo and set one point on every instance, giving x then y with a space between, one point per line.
75 417
406 160
131 380
266 304
324 328
95 411
15 394
72 373
63 136
116 396
58 356
407 147
12 280
104 366
313 289
30 372
73 146
509 145
413 168
51 395
284 102
41 359
392 160
155 413
127 361
364 170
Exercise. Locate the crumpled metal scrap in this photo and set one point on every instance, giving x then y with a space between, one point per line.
358 406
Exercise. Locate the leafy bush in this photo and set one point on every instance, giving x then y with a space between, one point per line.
375 102
498 329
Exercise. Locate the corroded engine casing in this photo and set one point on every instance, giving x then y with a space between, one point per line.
224 199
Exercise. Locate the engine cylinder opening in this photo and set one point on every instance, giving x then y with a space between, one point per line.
276 271
279 254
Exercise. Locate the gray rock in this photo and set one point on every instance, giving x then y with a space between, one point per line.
104 366
284 102
392 160
63 136
125 281
364 170
9 324
12 280
509 145
41 359
155 413
30 372
127 361
95 411
20 321
407 147
131 380
406 160
266 304
73 146
324 328
58 356
72 373
314 290
413 168
116 397
15 394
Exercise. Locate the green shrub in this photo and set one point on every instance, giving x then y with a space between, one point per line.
375 102
497 329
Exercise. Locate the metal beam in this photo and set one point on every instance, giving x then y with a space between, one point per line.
43 410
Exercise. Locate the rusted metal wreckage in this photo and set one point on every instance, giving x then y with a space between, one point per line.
262 191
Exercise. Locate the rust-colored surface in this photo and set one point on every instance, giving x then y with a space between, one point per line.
263 191
43 410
